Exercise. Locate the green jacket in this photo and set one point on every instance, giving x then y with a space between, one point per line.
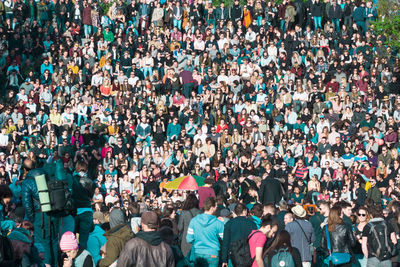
316 220
374 194
116 239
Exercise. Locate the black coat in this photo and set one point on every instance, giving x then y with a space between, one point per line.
342 239
270 191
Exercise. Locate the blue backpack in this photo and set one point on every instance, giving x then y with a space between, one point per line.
283 258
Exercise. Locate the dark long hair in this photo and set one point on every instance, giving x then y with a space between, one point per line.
282 240
190 202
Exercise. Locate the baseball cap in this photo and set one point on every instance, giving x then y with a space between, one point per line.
98 215
150 218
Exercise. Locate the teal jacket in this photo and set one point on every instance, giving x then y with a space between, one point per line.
95 241
204 233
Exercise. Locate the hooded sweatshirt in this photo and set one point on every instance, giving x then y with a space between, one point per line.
204 233
95 242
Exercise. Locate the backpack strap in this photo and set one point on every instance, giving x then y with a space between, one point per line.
248 239
305 235
328 239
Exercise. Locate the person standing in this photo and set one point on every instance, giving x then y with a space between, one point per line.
82 193
341 236
258 238
147 248
189 210
282 242
118 235
270 191
45 226
235 229
206 191
378 251
302 234
204 233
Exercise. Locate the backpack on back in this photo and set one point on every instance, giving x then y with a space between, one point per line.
381 246
60 198
283 258
55 197
240 252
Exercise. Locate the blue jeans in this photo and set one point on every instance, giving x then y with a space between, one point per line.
147 71
317 22
259 19
361 261
147 140
80 117
177 23
361 24
336 23
374 262
87 30
204 260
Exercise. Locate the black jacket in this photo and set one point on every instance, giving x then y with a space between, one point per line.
342 239
270 191
235 229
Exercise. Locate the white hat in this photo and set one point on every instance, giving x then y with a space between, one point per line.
299 211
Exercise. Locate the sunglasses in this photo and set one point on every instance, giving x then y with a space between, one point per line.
362 214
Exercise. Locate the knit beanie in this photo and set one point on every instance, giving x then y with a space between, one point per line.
68 242
117 217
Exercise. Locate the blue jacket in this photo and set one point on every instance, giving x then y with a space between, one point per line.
359 14
173 129
29 190
204 233
95 241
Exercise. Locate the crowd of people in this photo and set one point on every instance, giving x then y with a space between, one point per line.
289 112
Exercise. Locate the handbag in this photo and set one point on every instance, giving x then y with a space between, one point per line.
335 258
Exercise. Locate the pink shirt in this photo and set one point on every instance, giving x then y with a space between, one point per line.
256 241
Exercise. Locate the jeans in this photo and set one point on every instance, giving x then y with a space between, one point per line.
87 30
361 260
348 21
361 24
374 262
147 71
317 22
204 260
177 23
283 25
187 90
80 117
147 140
336 23
259 19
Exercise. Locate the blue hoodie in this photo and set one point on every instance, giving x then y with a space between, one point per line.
204 233
95 241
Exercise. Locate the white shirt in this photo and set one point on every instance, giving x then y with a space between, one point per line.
3 140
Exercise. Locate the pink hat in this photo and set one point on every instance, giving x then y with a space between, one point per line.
68 242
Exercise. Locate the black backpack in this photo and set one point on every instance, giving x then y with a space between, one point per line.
240 252
7 257
60 198
380 245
